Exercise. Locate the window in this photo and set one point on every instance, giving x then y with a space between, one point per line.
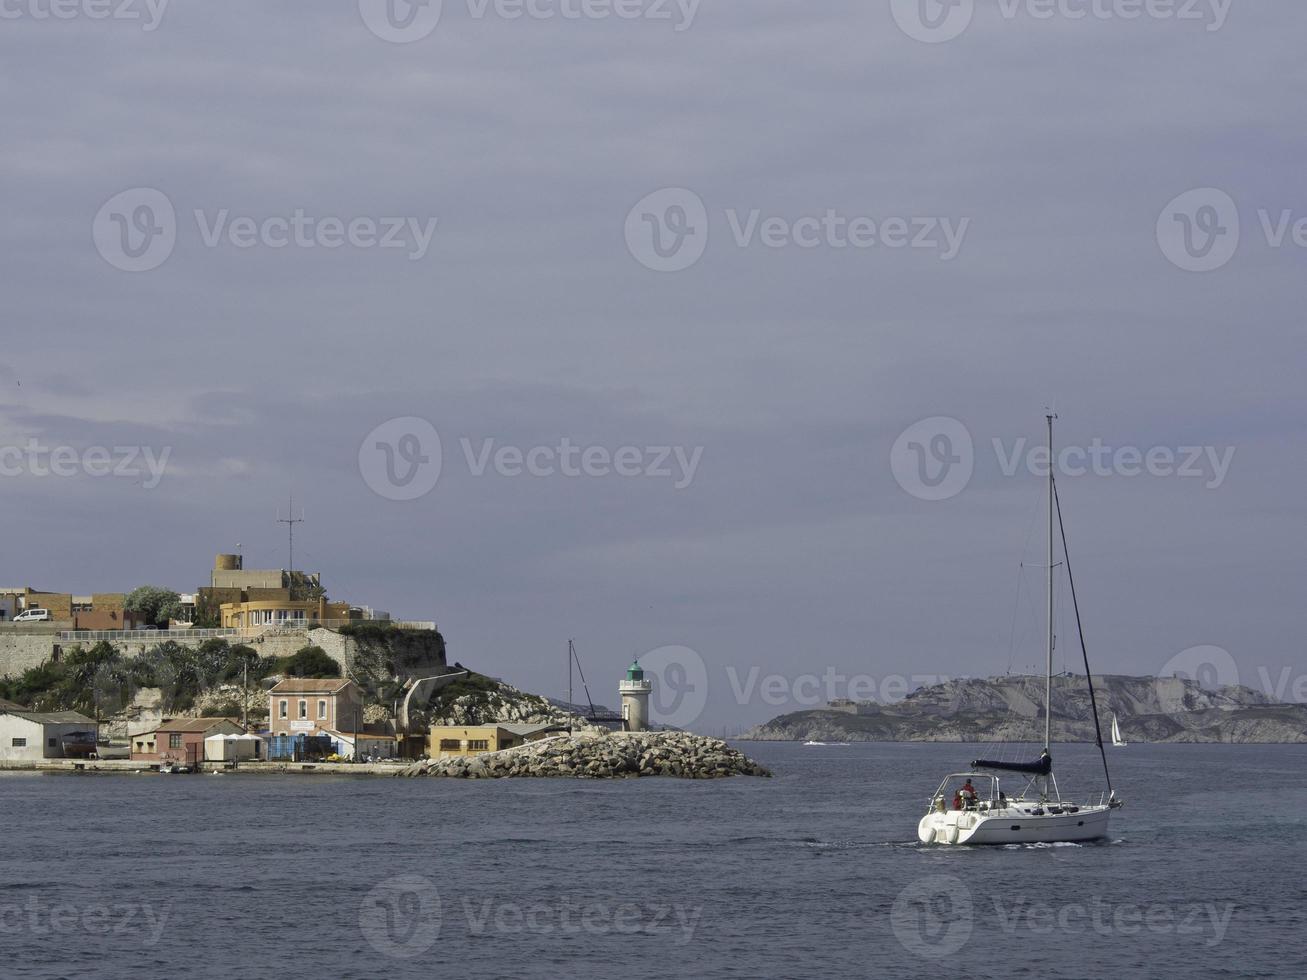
446 744
478 745
322 709
20 743
174 740
304 708
283 708
52 742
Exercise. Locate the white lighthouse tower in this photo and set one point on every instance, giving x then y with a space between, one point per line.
635 690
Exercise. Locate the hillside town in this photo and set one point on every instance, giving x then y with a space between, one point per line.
256 667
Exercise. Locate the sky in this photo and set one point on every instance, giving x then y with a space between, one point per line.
716 334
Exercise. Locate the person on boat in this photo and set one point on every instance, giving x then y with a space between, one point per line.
957 799
968 794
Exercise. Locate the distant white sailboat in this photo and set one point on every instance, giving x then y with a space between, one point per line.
1037 814
1117 740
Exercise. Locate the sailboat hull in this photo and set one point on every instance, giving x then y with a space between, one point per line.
1013 825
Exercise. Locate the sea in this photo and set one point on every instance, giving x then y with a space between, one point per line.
815 872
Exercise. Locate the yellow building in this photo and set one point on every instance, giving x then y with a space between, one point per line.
449 741
275 607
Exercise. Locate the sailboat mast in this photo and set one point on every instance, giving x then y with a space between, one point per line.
1048 679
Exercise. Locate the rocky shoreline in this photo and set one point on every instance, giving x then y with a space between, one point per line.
601 755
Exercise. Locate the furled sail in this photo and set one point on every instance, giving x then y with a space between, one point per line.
1040 767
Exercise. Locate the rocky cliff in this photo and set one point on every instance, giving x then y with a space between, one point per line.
1009 709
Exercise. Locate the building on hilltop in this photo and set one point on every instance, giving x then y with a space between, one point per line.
100 611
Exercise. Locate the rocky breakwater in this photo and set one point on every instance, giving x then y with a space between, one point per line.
603 755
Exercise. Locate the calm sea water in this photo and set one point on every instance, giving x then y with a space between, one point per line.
815 873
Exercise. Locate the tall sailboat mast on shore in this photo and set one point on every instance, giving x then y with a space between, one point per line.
1038 814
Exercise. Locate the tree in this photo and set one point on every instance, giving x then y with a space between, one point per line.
310 661
154 604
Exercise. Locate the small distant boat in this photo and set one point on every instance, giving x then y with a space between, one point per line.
814 743
1117 740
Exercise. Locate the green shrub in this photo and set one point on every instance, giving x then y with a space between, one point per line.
310 661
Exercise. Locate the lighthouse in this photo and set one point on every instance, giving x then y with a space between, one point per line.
634 690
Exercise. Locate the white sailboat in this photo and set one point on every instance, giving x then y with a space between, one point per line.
1117 740
985 814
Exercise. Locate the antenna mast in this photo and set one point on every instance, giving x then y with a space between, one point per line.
290 521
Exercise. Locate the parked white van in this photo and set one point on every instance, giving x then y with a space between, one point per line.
33 616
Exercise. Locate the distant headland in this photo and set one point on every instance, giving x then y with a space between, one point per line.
1009 709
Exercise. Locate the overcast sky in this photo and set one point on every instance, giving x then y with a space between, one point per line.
997 220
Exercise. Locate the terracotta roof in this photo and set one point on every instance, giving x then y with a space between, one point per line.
193 724
310 685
